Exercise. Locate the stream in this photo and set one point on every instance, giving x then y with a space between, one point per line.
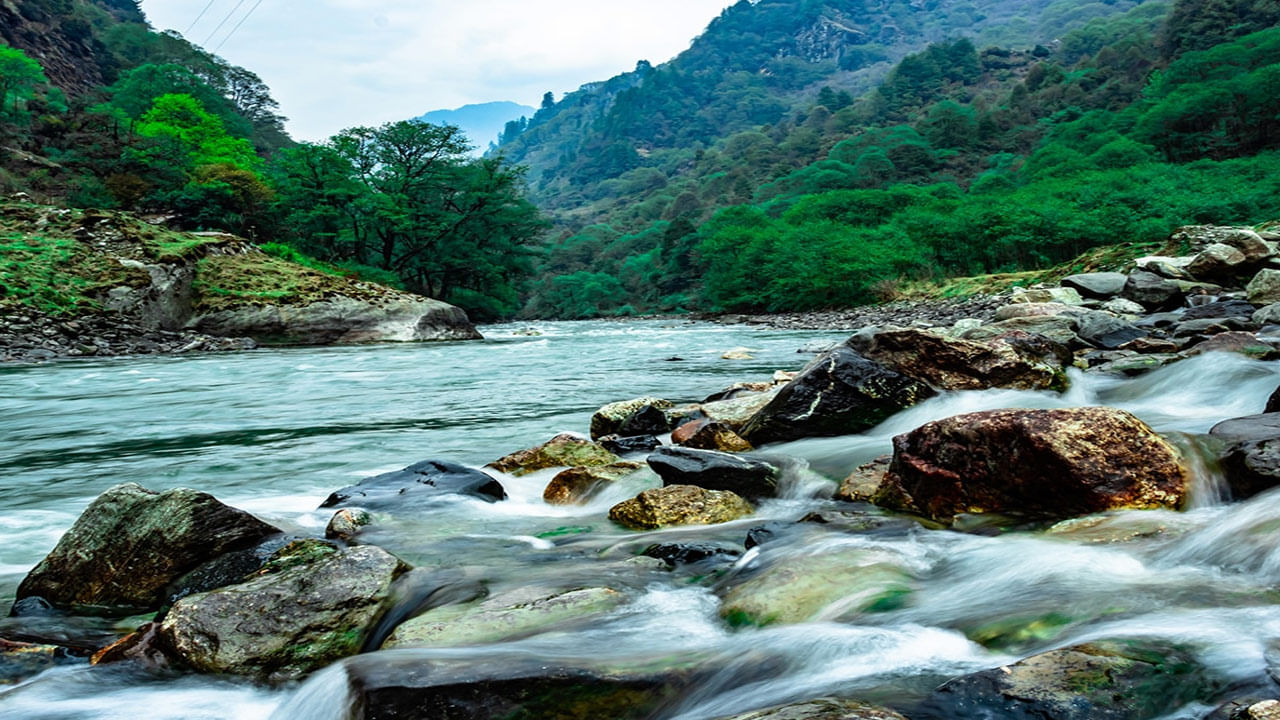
275 431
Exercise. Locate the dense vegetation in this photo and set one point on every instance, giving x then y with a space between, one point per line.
146 121
962 160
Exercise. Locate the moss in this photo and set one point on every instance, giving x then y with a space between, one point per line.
588 701
298 552
227 281
56 275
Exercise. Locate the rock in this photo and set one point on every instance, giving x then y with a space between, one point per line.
1221 309
1150 345
951 364
861 485
674 554
1245 240
1245 343
1273 402
20 660
578 485
1061 295
422 482
341 319
619 445
1251 458
1264 288
1173 268
1152 291
1211 326
1267 315
1036 463
508 616
311 605
1106 680
130 543
647 421
1122 306
1058 328
821 709
738 353
1098 285
840 393
1020 310
227 569
1138 364
711 435
564 450
679 505
737 412
1218 263
750 478
809 588
346 524
1104 330
608 419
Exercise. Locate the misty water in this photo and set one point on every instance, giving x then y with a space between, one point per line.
275 431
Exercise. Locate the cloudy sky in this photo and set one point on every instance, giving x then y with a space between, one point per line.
333 64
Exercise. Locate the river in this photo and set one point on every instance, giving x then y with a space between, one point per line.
274 431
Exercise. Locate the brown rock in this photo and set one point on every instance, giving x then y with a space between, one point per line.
576 486
1038 463
1245 343
952 364
564 450
822 709
863 482
682 434
716 436
679 505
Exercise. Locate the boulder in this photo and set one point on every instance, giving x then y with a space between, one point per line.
951 364
503 617
1152 291
713 470
1244 343
1242 239
833 586
1104 330
578 485
608 419
1267 315
1218 263
821 709
1251 458
311 605
1037 463
130 543
564 450
712 435
1138 364
1060 295
424 482
839 394
1060 329
1122 306
341 319
1173 268
647 421
1021 310
20 660
1098 285
1218 309
1264 288
347 523
674 554
1106 680
737 411
679 505
1150 345
861 484
619 445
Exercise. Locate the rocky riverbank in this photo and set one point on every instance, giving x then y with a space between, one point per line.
228 594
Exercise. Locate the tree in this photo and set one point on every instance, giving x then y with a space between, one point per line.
548 100
19 75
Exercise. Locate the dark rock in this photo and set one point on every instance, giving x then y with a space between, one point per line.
860 523
130 543
1104 330
679 505
1221 309
1099 285
1037 463
619 445
608 420
760 535
1244 343
310 605
821 709
33 606
1150 345
1212 326
1107 680
422 482
840 393
20 660
1152 291
713 470
226 569
1159 320
564 450
951 364
690 553
648 420
1251 458
1273 402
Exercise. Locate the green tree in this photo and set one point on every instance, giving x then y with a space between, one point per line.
19 76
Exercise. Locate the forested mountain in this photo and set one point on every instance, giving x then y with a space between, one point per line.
482 123
1034 131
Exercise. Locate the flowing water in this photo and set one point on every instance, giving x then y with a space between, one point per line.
275 431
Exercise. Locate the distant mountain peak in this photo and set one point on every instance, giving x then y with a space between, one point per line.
480 122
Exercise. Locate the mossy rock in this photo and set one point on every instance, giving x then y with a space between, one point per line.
818 587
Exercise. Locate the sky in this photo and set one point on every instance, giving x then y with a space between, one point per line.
334 64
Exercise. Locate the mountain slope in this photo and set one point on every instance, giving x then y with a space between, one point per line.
481 123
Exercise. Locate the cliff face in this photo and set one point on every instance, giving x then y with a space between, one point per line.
63 37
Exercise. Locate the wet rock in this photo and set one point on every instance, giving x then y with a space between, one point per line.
131 542
1150 345
576 486
821 709
608 419
808 588
647 421
1264 288
508 616
951 364
1273 402
309 606
1244 343
226 569
619 445
736 412
1098 285
1211 326
750 478
20 660
564 450
1152 291
1251 458
860 523
1267 315
861 484
674 554
679 505
1138 364
840 393
347 523
1036 463
712 435
1106 680
738 353
422 482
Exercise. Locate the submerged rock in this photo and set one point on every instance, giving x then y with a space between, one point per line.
951 364
679 505
673 554
1106 680
564 450
311 605
841 393
130 543
748 477
821 709
1039 463
578 485
20 660
422 482
817 587
503 617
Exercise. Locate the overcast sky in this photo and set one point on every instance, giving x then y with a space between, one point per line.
334 64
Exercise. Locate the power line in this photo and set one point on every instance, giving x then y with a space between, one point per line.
198 17
237 27
224 22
